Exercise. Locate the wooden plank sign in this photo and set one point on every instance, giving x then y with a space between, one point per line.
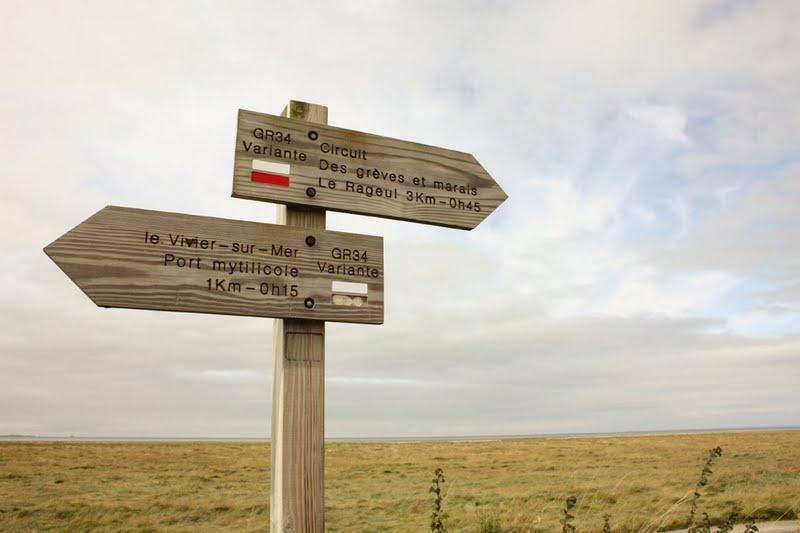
295 162
142 259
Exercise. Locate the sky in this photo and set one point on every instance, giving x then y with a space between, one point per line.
644 273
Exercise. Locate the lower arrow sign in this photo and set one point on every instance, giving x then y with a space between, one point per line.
140 259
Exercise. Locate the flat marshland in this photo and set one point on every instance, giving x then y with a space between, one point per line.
642 482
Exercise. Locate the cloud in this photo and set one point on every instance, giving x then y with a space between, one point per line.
640 276
667 121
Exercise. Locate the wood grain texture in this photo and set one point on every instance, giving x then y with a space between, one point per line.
456 192
297 502
113 258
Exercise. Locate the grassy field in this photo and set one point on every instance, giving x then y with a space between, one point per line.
643 482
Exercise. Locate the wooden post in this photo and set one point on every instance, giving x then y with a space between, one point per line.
298 394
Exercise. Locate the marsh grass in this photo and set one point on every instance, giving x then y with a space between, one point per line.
644 482
704 525
487 521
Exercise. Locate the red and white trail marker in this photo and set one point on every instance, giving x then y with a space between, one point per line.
270 173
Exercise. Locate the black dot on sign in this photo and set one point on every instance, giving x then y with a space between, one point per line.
309 303
311 192
311 240
313 135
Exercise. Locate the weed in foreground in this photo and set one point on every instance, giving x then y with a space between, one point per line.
438 516
606 523
567 518
704 526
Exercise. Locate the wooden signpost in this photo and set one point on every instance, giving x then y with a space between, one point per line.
292 162
295 271
143 259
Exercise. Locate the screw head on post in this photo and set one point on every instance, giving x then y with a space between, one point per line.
311 192
309 303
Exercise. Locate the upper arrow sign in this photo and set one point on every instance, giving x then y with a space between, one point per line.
295 162
142 259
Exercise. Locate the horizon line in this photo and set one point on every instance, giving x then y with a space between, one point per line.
509 436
